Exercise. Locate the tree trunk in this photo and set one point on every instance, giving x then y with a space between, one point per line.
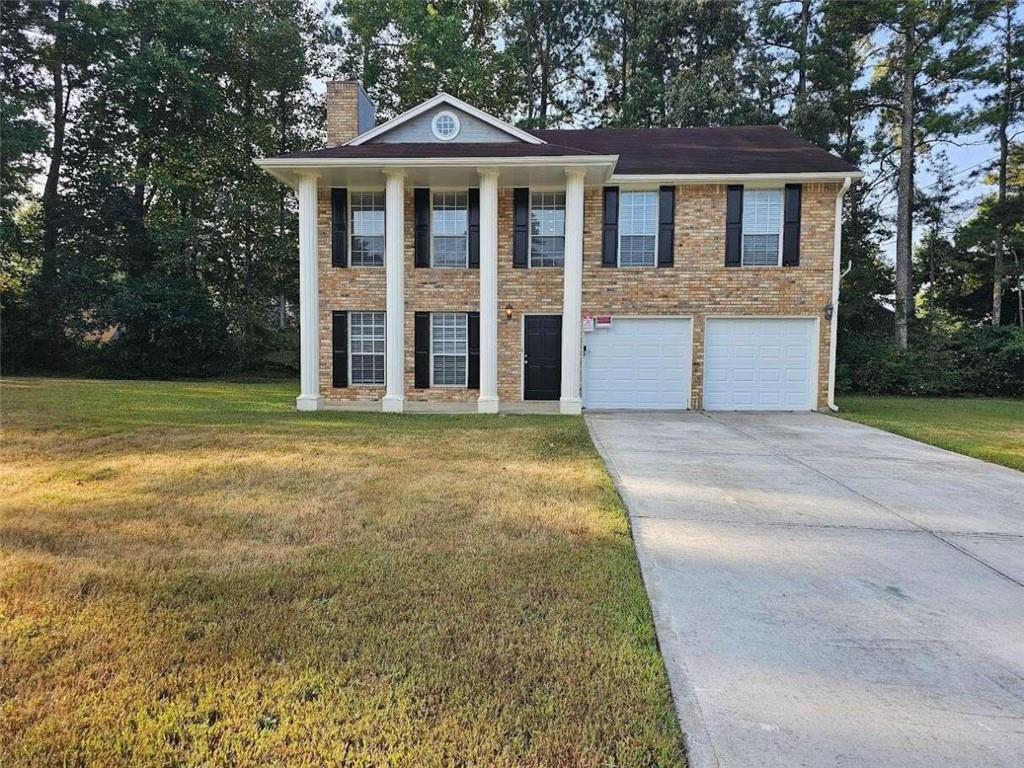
1004 153
1020 290
801 75
905 190
51 191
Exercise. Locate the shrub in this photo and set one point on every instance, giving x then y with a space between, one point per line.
975 360
167 327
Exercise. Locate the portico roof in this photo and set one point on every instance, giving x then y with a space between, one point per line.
435 164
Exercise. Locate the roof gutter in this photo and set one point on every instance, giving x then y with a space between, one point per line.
739 178
303 163
282 167
837 247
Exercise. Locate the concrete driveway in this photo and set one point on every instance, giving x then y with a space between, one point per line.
827 594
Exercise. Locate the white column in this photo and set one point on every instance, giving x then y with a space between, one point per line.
309 398
394 305
572 294
488 400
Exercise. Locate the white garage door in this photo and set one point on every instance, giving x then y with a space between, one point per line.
638 363
760 364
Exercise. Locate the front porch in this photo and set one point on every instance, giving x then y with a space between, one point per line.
406 292
523 407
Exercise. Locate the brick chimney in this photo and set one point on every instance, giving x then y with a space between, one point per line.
349 111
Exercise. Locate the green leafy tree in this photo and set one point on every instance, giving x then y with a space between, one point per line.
23 96
1002 109
924 52
548 44
407 51
680 62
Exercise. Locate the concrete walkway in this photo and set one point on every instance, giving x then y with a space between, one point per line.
827 594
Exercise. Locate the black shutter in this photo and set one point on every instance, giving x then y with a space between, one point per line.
339 349
473 363
791 227
421 219
422 347
339 227
733 224
666 225
610 228
474 228
521 227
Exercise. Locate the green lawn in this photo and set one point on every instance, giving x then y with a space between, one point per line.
987 429
195 574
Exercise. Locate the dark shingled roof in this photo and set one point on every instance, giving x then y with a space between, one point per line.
747 149
441 149
733 150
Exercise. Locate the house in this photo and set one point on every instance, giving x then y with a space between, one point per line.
446 255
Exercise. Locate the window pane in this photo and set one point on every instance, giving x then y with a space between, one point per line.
450 227
547 229
367 229
760 250
636 251
638 227
450 251
762 225
449 345
547 251
366 347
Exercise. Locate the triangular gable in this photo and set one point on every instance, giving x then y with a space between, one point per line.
444 99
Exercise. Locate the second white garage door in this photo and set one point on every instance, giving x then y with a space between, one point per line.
760 364
638 363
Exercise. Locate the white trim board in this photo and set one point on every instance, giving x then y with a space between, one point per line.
731 178
445 98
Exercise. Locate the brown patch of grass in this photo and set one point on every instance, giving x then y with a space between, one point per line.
195 574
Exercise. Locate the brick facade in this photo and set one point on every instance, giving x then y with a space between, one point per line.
698 286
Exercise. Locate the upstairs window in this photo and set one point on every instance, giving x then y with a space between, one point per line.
449 349
762 228
547 229
366 347
450 227
638 229
367 229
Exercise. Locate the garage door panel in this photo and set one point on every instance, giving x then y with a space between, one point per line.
638 363
762 364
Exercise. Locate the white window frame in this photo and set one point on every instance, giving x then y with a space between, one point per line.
455 119
465 264
352 228
782 227
618 243
465 383
351 353
529 223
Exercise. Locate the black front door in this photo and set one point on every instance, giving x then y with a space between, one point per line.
542 357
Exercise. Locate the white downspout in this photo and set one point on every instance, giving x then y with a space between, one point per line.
837 249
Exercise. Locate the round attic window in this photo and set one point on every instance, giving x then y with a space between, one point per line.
445 125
